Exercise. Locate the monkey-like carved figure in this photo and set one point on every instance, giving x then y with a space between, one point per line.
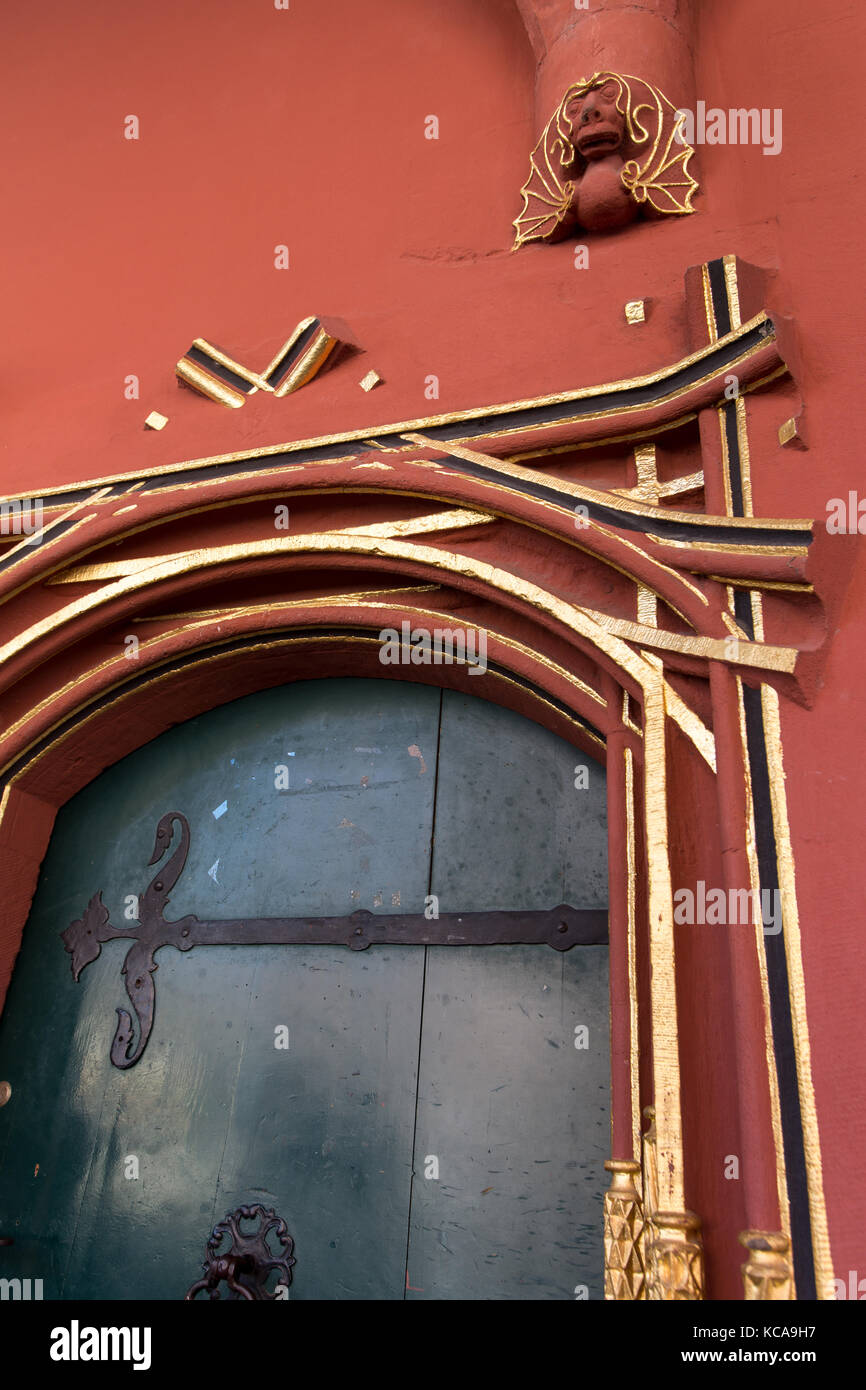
611 152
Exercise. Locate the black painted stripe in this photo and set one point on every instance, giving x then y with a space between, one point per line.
735 473
555 412
629 521
722 315
217 369
244 643
292 355
51 531
317 453
743 612
780 1006
719 292
119 489
658 526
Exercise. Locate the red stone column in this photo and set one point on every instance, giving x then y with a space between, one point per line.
621 1121
25 826
758 1161
653 39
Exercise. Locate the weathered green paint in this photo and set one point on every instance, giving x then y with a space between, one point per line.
517 1117
518 1120
215 1114
512 830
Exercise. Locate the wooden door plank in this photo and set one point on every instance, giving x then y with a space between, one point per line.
517 1119
512 830
514 1114
322 1130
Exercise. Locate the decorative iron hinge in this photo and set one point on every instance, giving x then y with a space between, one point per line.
560 927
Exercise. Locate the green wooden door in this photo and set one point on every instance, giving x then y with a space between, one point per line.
431 1130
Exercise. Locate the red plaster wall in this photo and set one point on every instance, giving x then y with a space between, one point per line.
811 210
306 127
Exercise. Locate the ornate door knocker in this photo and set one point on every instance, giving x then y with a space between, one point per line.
247 1263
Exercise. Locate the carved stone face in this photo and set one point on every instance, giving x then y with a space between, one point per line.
598 128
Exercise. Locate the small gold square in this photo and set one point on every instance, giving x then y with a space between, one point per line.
789 434
635 311
155 421
369 381
787 431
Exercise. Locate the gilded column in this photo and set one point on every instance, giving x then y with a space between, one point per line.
623 1228
676 1257
670 1243
767 1274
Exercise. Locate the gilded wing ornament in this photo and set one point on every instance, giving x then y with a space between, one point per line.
655 171
546 195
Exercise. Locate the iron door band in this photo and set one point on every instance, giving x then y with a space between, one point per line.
560 927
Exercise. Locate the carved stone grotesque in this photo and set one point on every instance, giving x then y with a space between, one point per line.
611 152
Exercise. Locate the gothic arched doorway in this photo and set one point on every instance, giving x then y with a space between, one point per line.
431 1122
